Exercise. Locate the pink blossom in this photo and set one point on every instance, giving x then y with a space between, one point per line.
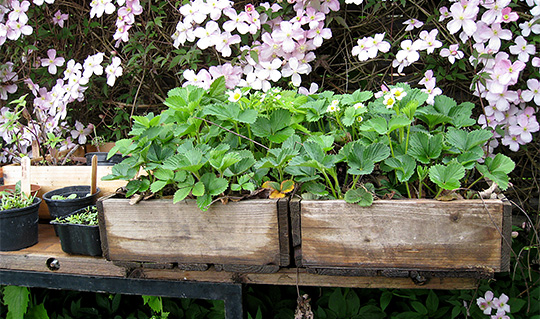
192 13
312 17
523 128
18 27
224 41
121 34
501 303
18 9
98 7
444 13
113 70
59 18
495 10
527 27
452 53
80 132
522 49
236 21
52 61
428 79
313 88
92 65
286 34
463 18
327 5
508 15
231 73
202 79
319 33
429 41
533 91
486 303
501 314
293 69
412 23
207 35
183 33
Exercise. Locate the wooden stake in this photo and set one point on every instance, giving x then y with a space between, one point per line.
25 178
93 185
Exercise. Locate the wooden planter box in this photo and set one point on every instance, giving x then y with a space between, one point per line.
54 177
248 236
400 238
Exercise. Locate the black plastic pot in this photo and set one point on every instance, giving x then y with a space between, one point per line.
78 239
102 158
19 227
59 208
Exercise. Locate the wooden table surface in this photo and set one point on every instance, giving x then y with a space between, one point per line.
37 258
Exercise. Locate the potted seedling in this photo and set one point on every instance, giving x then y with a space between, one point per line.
79 232
18 219
66 200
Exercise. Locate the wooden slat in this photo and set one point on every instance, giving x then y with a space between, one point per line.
242 233
54 177
403 234
34 259
37 258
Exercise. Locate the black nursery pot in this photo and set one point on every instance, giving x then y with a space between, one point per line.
102 158
19 227
59 208
78 239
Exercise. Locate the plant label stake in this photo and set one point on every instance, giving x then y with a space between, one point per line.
93 186
25 178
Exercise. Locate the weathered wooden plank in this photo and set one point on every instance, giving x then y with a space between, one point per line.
506 236
296 233
283 225
48 250
404 234
54 177
34 259
243 233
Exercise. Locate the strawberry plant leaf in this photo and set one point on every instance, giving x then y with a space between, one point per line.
404 165
425 148
181 193
447 177
360 196
16 298
497 169
466 141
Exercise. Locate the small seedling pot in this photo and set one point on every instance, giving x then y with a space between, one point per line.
63 207
102 158
78 239
19 227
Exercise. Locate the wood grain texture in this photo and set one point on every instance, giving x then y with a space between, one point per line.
54 177
403 234
243 233
34 259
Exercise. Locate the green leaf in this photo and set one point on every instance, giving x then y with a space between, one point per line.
37 312
214 185
447 177
432 302
198 189
398 122
378 124
497 169
337 303
362 159
154 302
360 196
386 297
16 298
164 174
404 165
425 148
419 307
181 193
465 141
276 128
218 87
157 186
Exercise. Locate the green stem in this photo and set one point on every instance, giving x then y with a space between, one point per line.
329 183
407 140
439 192
390 143
420 189
476 181
408 190
429 188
